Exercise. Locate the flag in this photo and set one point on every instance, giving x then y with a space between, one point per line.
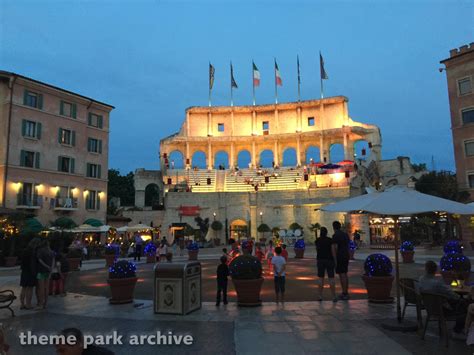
211 76
298 66
233 84
278 80
321 67
256 75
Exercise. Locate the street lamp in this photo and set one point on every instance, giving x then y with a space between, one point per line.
261 217
214 214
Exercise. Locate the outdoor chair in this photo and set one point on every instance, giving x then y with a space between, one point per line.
434 305
411 298
6 299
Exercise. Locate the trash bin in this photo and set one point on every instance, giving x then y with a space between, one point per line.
177 287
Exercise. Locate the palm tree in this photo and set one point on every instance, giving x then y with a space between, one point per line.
314 228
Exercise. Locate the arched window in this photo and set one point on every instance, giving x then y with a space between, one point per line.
336 153
176 160
221 159
312 154
289 157
199 160
243 159
266 158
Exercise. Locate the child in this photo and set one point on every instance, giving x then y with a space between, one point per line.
279 266
55 287
269 255
284 252
222 274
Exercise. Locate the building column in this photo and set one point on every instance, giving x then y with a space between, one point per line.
209 124
298 151
232 156
276 155
188 128
299 124
210 158
140 198
346 147
187 159
254 123
321 149
254 162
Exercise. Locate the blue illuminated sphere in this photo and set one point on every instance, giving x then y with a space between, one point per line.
378 265
452 247
193 246
455 262
407 246
300 244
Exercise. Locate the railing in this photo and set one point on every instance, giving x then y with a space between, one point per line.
31 201
65 203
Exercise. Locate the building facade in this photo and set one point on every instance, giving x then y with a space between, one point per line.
53 151
460 77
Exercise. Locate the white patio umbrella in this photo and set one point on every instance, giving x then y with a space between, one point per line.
138 227
86 228
399 201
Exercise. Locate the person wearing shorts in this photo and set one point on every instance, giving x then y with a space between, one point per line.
325 263
340 252
279 266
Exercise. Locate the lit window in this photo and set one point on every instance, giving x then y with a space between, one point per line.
464 86
220 127
469 148
467 116
310 121
265 125
65 136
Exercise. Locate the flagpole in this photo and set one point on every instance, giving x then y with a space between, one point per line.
253 85
321 74
298 72
210 84
231 87
276 85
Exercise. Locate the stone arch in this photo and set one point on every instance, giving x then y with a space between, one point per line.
198 160
361 146
391 182
244 158
336 153
221 158
238 229
288 157
266 158
313 154
152 195
176 159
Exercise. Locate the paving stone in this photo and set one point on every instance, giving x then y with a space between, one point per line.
276 327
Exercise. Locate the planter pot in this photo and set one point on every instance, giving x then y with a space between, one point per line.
150 259
449 276
109 260
122 290
193 254
408 256
74 263
378 288
10 261
351 254
299 253
248 291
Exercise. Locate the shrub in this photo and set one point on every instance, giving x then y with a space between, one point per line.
352 245
294 226
245 267
150 249
122 269
74 253
193 246
378 265
300 244
452 247
216 226
455 262
263 228
407 246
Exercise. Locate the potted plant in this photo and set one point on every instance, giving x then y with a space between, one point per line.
122 281
315 227
216 226
407 249
74 257
263 228
193 250
299 249
453 247
352 248
246 274
150 252
378 278
455 266
110 254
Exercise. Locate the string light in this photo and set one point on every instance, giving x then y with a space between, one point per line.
300 244
452 247
378 265
407 246
193 246
245 267
122 269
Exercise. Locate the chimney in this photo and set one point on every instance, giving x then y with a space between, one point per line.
453 52
464 49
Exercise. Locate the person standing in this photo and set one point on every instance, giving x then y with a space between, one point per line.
44 267
138 247
279 266
284 252
325 263
340 252
163 250
222 274
28 276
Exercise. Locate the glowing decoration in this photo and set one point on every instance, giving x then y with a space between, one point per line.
150 249
378 265
122 269
455 262
454 283
452 247
352 245
300 244
245 267
193 246
407 246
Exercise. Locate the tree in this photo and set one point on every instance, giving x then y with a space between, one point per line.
217 226
315 227
419 167
263 228
203 225
121 186
442 184
295 226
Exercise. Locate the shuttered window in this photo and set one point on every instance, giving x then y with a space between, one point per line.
469 148
67 109
93 170
33 99
31 129
95 120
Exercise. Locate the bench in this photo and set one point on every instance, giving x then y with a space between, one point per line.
6 299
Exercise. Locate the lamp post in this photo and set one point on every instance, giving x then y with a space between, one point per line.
214 214
261 217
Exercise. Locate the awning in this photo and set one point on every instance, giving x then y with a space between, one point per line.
93 222
64 223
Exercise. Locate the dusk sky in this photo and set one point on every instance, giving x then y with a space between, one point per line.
150 60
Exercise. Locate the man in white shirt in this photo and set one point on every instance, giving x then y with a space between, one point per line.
279 266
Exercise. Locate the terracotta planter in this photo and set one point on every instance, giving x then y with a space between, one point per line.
299 253
378 288
351 254
408 256
248 291
109 259
150 259
10 261
74 263
122 290
449 276
193 254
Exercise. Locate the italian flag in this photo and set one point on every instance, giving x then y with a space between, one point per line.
278 80
256 75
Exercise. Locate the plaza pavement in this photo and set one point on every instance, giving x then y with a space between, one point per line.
352 327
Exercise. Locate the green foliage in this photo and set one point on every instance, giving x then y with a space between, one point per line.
188 230
203 224
263 228
245 267
294 226
217 226
121 186
419 167
64 223
442 184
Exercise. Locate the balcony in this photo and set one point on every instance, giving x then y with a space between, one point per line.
64 203
30 202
